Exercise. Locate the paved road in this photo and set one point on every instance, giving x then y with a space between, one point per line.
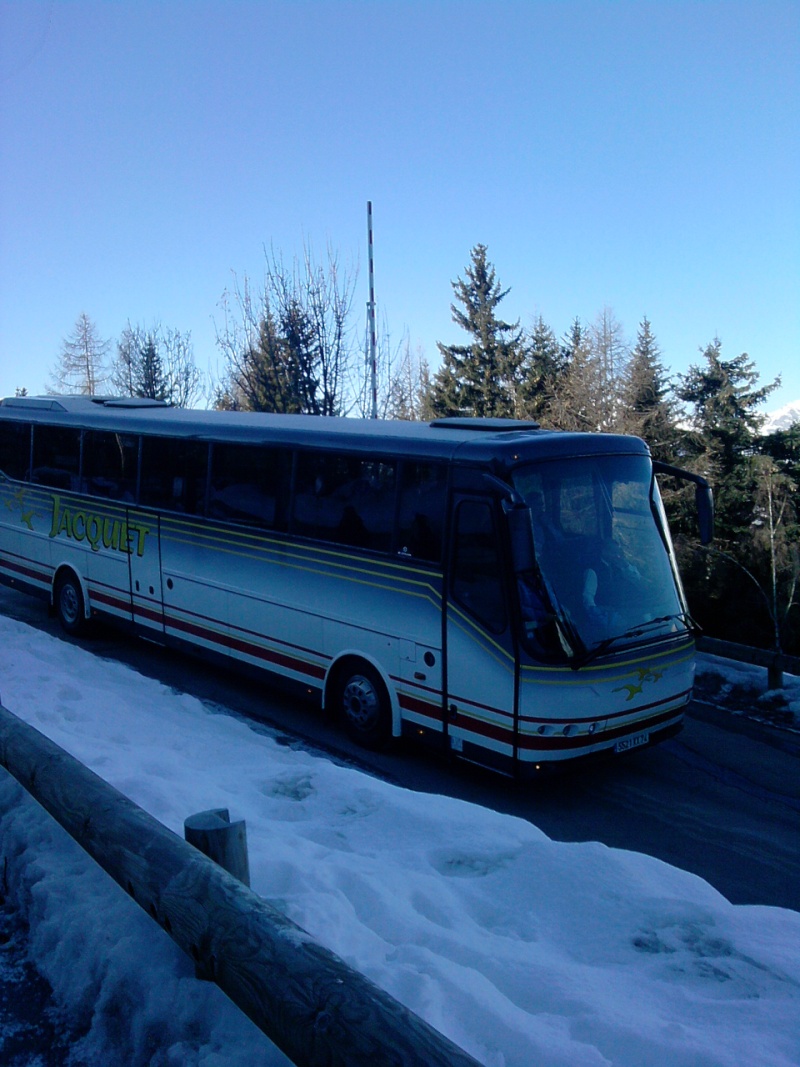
722 799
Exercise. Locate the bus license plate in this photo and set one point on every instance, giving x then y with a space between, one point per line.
627 743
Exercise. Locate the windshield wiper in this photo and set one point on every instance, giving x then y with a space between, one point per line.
639 629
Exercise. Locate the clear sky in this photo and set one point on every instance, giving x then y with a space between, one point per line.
642 156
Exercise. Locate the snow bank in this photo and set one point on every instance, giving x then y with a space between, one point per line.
521 950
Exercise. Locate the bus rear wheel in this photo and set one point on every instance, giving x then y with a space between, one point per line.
69 604
363 705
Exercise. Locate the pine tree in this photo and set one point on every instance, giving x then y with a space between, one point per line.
156 363
479 378
543 368
727 584
724 396
152 383
649 409
574 406
81 367
291 347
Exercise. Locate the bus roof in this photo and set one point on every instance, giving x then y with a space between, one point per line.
475 440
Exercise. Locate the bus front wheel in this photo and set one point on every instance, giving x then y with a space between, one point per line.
69 604
363 705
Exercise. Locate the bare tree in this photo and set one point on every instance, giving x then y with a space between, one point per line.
81 367
185 386
409 394
610 353
775 530
394 373
292 346
157 363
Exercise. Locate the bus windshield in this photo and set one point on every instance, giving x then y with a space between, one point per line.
604 556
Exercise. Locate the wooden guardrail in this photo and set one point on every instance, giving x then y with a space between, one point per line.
775 662
303 997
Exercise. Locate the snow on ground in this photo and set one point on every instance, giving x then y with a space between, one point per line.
522 950
743 687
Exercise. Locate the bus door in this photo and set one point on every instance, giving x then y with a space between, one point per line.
144 559
481 662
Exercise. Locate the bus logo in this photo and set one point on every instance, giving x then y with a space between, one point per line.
97 530
633 689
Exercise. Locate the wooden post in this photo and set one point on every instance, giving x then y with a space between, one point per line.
314 1007
223 841
775 673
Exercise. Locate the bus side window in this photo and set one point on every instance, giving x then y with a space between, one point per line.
15 449
174 474
110 462
477 575
423 488
249 484
345 499
57 457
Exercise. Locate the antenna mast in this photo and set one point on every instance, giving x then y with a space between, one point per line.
371 318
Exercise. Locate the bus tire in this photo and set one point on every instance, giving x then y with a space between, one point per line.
363 706
69 604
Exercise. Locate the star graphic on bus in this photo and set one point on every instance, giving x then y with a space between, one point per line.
18 500
634 688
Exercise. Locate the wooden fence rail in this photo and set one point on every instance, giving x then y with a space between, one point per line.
775 662
302 996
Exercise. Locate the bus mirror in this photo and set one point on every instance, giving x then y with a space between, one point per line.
520 528
704 500
703 496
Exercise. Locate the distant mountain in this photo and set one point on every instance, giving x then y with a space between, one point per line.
783 418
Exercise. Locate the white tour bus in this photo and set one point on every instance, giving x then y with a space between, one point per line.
507 592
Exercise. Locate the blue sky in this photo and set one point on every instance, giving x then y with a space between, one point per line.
638 156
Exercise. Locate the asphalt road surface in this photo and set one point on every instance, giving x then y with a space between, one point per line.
722 799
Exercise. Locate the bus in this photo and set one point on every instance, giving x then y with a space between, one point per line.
506 592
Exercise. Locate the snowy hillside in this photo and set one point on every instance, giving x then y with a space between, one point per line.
783 418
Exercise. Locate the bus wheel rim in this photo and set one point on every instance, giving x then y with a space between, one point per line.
69 602
361 701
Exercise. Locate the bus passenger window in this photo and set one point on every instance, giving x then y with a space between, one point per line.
345 499
56 457
422 508
15 449
174 474
477 582
110 464
249 484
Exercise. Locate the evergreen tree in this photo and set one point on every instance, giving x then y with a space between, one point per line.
290 348
152 383
81 367
156 363
727 584
574 403
724 397
274 372
649 409
479 378
784 447
543 368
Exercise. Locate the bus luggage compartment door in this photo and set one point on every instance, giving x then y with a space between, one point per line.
144 558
